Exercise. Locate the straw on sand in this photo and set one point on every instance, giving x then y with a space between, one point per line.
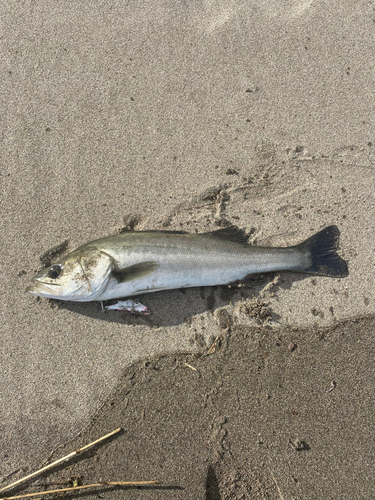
74 488
94 485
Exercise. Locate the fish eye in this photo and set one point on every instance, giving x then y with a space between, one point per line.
54 272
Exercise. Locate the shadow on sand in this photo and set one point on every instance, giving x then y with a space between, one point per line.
174 307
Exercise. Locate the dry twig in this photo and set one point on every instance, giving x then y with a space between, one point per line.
74 488
191 367
59 461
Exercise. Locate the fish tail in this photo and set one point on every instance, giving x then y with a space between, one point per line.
322 257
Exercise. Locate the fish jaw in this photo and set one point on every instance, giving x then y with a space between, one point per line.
40 289
47 290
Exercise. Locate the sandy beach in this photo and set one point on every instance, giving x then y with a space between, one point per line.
190 116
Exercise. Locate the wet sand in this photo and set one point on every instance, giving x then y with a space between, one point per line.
286 414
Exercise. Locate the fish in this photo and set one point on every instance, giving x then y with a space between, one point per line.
139 262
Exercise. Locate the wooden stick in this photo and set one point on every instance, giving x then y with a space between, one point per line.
60 460
95 485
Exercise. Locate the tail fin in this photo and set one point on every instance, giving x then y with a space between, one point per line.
321 248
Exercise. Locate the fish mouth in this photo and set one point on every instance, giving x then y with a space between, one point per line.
43 289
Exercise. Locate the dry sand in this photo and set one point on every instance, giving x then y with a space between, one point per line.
191 115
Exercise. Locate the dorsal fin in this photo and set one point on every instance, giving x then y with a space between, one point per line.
164 231
230 233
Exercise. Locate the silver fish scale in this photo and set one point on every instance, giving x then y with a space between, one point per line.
189 261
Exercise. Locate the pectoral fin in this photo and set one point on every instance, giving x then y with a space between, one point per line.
134 272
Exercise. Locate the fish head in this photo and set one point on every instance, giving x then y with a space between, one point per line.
80 276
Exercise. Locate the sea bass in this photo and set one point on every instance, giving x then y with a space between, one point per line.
134 263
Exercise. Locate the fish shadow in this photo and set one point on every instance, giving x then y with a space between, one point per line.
175 307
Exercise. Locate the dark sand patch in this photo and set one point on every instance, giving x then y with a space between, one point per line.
271 414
